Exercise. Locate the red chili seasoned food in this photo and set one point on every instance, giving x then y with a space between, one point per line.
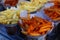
35 26
11 2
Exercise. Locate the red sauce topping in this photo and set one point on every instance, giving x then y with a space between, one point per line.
11 2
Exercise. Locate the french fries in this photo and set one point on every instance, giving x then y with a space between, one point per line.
36 26
34 34
9 17
53 12
33 5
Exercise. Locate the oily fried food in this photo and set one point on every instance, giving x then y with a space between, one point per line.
9 17
33 5
36 26
53 12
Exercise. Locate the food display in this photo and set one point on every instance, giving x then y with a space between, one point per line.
9 17
33 5
12 16
32 26
53 12
35 26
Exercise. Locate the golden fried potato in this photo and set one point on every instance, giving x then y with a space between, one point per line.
9 17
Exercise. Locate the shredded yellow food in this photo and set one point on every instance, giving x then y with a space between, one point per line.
33 5
12 16
9 16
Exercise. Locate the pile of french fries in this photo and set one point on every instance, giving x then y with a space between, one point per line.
54 11
9 17
33 5
35 26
